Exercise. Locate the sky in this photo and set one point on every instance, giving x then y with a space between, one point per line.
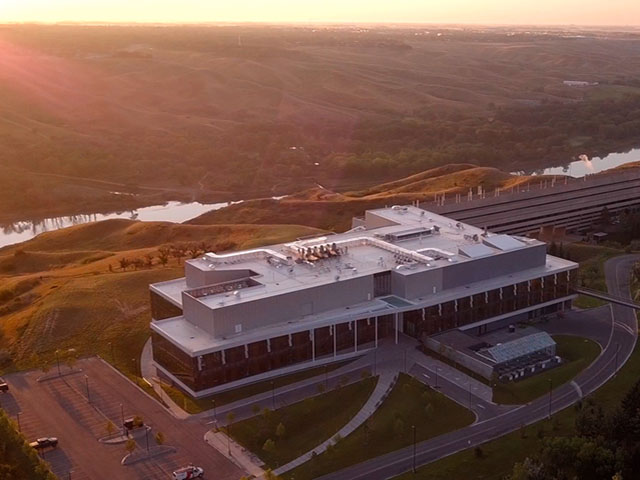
527 12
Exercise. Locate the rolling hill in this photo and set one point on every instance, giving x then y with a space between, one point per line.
67 289
321 208
266 110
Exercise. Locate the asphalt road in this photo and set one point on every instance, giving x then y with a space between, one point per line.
618 348
59 407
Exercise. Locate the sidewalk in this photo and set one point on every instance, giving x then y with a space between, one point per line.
236 453
148 372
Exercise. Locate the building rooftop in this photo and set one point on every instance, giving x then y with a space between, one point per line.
411 240
198 341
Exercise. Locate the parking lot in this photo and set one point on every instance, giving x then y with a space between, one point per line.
76 409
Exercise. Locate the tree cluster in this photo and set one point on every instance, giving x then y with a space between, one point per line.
18 461
605 445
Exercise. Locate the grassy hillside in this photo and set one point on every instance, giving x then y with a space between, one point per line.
322 208
67 290
204 112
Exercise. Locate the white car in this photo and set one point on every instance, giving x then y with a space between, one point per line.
188 472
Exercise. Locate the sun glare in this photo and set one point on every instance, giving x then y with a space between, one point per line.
590 12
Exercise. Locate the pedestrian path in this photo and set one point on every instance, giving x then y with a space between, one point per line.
246 460
385 382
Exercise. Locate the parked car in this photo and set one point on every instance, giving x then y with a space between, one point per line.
188 472
133 422
44 442
4 386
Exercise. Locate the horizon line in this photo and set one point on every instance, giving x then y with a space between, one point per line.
313 23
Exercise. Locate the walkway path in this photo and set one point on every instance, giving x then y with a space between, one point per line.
386 380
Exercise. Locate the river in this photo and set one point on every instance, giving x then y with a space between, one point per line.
170 212
586 166
180 212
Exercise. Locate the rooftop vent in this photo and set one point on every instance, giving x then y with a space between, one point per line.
408 234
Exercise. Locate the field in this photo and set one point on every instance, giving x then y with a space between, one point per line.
256 111
410 403
306 424
67 289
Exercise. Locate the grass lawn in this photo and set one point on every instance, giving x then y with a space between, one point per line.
389 428
306 424
591 271
577 352
499 455
196 405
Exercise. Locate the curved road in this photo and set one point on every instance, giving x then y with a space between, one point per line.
620 345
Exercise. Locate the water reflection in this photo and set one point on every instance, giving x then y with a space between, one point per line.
586 166
170 212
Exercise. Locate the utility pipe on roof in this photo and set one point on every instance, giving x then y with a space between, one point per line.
260 252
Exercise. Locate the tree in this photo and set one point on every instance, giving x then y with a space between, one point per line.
163 255
178 252
230 418
428 409
137 421
137 263
269 446
71 359
45 366
398 427
110 428
130 446
269 475
529 469
193 250
266 414
160 438
148 260
124 263
281 431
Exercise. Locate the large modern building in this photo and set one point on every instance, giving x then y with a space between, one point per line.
252 314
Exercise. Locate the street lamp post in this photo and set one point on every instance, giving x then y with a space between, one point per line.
436 370
413 428
122 418
215 417
18 419
86 381
375 362
146 434
273 395
58 362
550 388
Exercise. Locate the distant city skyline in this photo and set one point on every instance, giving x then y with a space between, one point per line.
495 12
